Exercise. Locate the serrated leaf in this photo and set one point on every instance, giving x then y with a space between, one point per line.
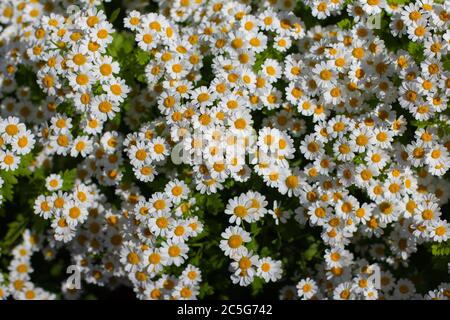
15 230
10 180
8 192
214 203
9 177
398 2
68 177
205 290
446 62
142 57
25 162
416 50
121 46
441 249
345 24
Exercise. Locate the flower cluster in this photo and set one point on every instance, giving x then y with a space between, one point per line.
135 243
20 285
16 141
249 207
343 128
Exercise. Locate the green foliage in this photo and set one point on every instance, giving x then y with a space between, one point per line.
441 249
345 24
142 57
416 51
446 62
114 15
398 2
206 290
132 60
121 46
15 230
257 286
68 177
10 177
8 187
311 252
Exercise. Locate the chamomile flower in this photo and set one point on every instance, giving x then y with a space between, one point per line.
191 275
271 70
154 260
158 149
306 288
10 128
180 231
177 191
174 253
74 213
440 230
104 68
23 143
8 161
130 257
82 79
133 20
104 107
43 207
53 182
240 209
404 289
159 223
82 145
116 89
268 269
233 241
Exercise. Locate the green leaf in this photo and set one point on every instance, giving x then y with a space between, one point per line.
255 229
114 15
8 192
252 245
416 50
205 290
345 24
9 177
25 162
67 108
214 204
68 177
441 249
121 46
265 252
397 2
257 286
8 187
446 62
141 78
142 57
15 230
57 268
39 224
311 251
